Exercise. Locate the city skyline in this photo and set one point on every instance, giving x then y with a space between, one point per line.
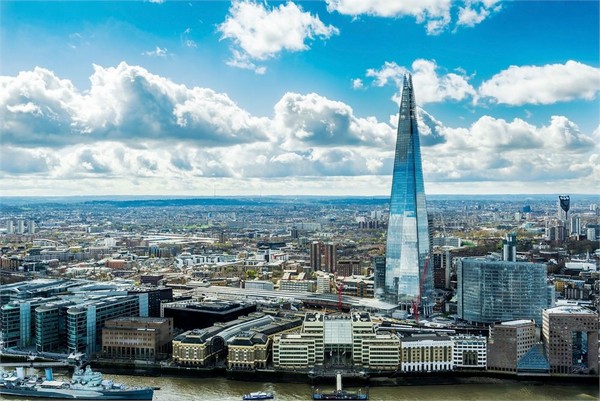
296 98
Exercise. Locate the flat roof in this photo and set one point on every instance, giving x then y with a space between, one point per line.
517 322
569 309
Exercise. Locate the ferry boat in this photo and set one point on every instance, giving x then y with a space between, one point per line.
84 385
260 395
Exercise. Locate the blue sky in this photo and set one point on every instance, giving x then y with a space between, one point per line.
244 97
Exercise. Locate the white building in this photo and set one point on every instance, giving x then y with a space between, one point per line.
469 352
426 353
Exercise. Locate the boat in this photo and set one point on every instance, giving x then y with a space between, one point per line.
85 384
259 395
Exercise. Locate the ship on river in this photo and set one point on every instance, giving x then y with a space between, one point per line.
85 384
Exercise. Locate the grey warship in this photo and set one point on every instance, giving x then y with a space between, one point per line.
85 384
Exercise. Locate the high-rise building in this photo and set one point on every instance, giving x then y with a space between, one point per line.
330 257
407 276
491 290
509 247
315 255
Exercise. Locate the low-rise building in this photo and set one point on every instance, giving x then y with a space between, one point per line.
469 352
426 353
138 338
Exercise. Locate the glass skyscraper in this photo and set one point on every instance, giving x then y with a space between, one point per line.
408 277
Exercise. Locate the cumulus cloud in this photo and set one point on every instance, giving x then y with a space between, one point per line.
260 33
550 83
136 132
497 150
125 103
436 15
433 87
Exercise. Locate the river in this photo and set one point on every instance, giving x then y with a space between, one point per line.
221 389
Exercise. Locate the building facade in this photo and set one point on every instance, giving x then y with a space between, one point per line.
407 280
508 342
469 352
489 290
137 338
426 353
570 335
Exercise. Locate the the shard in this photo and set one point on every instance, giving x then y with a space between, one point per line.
408 278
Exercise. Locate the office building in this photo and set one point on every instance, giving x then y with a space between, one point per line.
508 342
570 336
85 321
491 290
426 353
469 352
407 280
197 315
509 248
137 338
259 285
153 297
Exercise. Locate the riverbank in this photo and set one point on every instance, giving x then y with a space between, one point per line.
373 379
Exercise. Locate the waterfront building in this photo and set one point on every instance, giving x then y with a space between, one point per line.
248 351
137 338
570 336
204 347
508 342
426 353
17 322
407 280
198 315
337 341
469 352
491 290
85 321
251 349
51 325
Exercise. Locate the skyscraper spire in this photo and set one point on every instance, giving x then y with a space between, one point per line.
408 280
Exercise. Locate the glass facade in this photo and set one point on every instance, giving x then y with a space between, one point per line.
494 290
406 277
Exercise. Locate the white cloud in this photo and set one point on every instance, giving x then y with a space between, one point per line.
136 132
474 12
496 150
433 87
357 83
547 84
157 52
260 33
435 14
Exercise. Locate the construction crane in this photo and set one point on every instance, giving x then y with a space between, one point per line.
415 305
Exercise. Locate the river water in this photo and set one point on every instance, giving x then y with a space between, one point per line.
221 389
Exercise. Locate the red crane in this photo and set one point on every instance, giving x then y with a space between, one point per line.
415 305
